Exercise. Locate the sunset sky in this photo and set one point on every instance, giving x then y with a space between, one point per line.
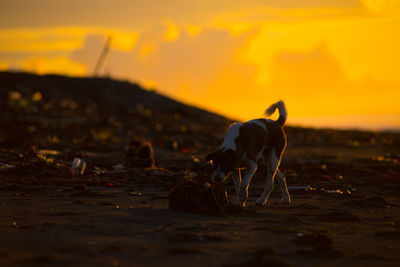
334 62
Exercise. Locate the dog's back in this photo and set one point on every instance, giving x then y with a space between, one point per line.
258 136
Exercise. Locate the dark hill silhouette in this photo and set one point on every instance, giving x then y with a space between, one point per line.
75 108
101 90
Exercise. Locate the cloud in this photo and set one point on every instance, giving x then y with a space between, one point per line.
363 46
49 49
41 40
202 69
314 83
54 65
312 79
307 71
62 39
383 6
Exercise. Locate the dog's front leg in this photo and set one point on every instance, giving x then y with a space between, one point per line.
237 179
244 186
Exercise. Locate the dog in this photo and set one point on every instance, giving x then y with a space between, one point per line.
249 145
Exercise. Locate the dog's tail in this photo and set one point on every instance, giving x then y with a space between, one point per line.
282 112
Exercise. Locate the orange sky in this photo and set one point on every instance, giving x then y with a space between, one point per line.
334 62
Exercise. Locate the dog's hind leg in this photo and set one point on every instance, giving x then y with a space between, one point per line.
284 189
244 185
236 177
273 165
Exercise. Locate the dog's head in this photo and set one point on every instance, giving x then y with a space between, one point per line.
223 162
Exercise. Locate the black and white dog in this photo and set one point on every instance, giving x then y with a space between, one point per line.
248 145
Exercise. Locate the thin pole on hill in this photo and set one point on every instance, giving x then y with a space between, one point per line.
103 55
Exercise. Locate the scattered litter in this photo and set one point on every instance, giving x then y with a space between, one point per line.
337 191
49 152
387 159
195 159
309 188
118 167
78 166
187 150
42 157
339 177
97 171
354 143
301 187
175 145
14 95
36 97
5 166
140 154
